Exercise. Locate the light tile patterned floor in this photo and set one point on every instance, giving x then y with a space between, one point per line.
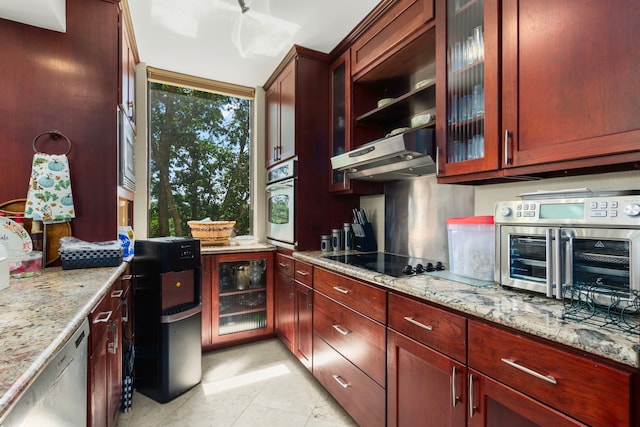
259 384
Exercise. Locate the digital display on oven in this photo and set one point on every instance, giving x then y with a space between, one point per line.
562 211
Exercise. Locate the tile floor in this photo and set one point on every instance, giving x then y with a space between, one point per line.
259 384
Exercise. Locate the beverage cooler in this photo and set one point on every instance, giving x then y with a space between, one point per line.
168 316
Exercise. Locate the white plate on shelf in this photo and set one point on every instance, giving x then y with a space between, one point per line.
14 236
397 131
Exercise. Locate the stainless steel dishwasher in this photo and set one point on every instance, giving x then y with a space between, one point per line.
58 396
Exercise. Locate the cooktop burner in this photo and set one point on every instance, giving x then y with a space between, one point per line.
389 264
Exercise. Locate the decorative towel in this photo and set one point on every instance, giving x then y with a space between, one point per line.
49 197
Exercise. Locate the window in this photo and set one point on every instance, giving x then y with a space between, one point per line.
199 155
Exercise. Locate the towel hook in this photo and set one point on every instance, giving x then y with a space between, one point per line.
53 134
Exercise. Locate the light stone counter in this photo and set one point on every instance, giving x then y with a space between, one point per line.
522 311
37 316
233 249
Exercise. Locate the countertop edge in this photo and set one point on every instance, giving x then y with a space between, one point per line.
512 309
9 399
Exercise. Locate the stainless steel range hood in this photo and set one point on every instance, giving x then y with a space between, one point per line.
395 157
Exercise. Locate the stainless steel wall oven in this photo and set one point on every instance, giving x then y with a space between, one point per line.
574 243
281 191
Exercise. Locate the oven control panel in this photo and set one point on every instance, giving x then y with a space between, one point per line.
621 211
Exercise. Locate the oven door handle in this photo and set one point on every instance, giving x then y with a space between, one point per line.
550 261
284 185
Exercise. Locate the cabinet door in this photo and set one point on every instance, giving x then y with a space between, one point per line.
207 284
493 404
128 69
467 113
570 82
303 321
340 73
272 124
98 382
287 88
423 384
114 366
284 322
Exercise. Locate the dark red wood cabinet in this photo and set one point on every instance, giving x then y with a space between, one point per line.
303 313
557 97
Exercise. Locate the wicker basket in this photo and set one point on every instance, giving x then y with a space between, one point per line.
211 230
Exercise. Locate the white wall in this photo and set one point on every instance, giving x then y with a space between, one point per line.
258 171
488 195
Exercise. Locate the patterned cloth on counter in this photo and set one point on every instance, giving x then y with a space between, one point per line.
49 198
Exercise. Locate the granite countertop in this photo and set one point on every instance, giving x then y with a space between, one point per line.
218 250
522 311
38 315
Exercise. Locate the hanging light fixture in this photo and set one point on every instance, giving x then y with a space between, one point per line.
243 6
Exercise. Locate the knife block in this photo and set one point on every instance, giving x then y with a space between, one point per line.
364 238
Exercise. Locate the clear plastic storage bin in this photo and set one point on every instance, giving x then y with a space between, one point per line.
472 247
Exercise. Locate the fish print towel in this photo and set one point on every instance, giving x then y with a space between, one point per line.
49 198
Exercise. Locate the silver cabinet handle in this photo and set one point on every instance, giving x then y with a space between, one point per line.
103 317
340 381
113 345
506 146
302 273
341 330
283 265
341 290
547 378
127 277
437 161
471 407
117 294
454 397
421 325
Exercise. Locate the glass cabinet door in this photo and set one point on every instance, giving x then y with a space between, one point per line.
469 141
242 297
340 117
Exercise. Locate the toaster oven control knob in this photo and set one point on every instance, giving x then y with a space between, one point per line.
505 211
632 209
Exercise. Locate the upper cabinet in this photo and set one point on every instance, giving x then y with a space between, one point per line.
280 122
128 61
566 99
383 83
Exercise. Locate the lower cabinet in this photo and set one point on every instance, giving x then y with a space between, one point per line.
237 298
423 384
105 359
357 393
303 324
285 300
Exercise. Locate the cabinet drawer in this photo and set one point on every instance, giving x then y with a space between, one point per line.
284 264
389 31
359 339
358 394
304 273
589 391
437 328
103 315
364 298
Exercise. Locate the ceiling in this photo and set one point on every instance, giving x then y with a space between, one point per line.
214 39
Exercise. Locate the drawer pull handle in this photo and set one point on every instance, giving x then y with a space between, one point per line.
471 398
127 277
340 381
341 290
117 294
103 317
341 330
282 264
547 378
302 273
421 325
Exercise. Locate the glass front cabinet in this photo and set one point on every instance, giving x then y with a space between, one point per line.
467 111
240 297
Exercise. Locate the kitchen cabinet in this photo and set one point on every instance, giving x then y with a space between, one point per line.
566 97
237 298
280 122
128 61
387 34
590 392
303 313
105 359
285 300
424 379
349 344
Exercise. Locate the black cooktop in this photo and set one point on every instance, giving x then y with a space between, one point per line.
389 264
